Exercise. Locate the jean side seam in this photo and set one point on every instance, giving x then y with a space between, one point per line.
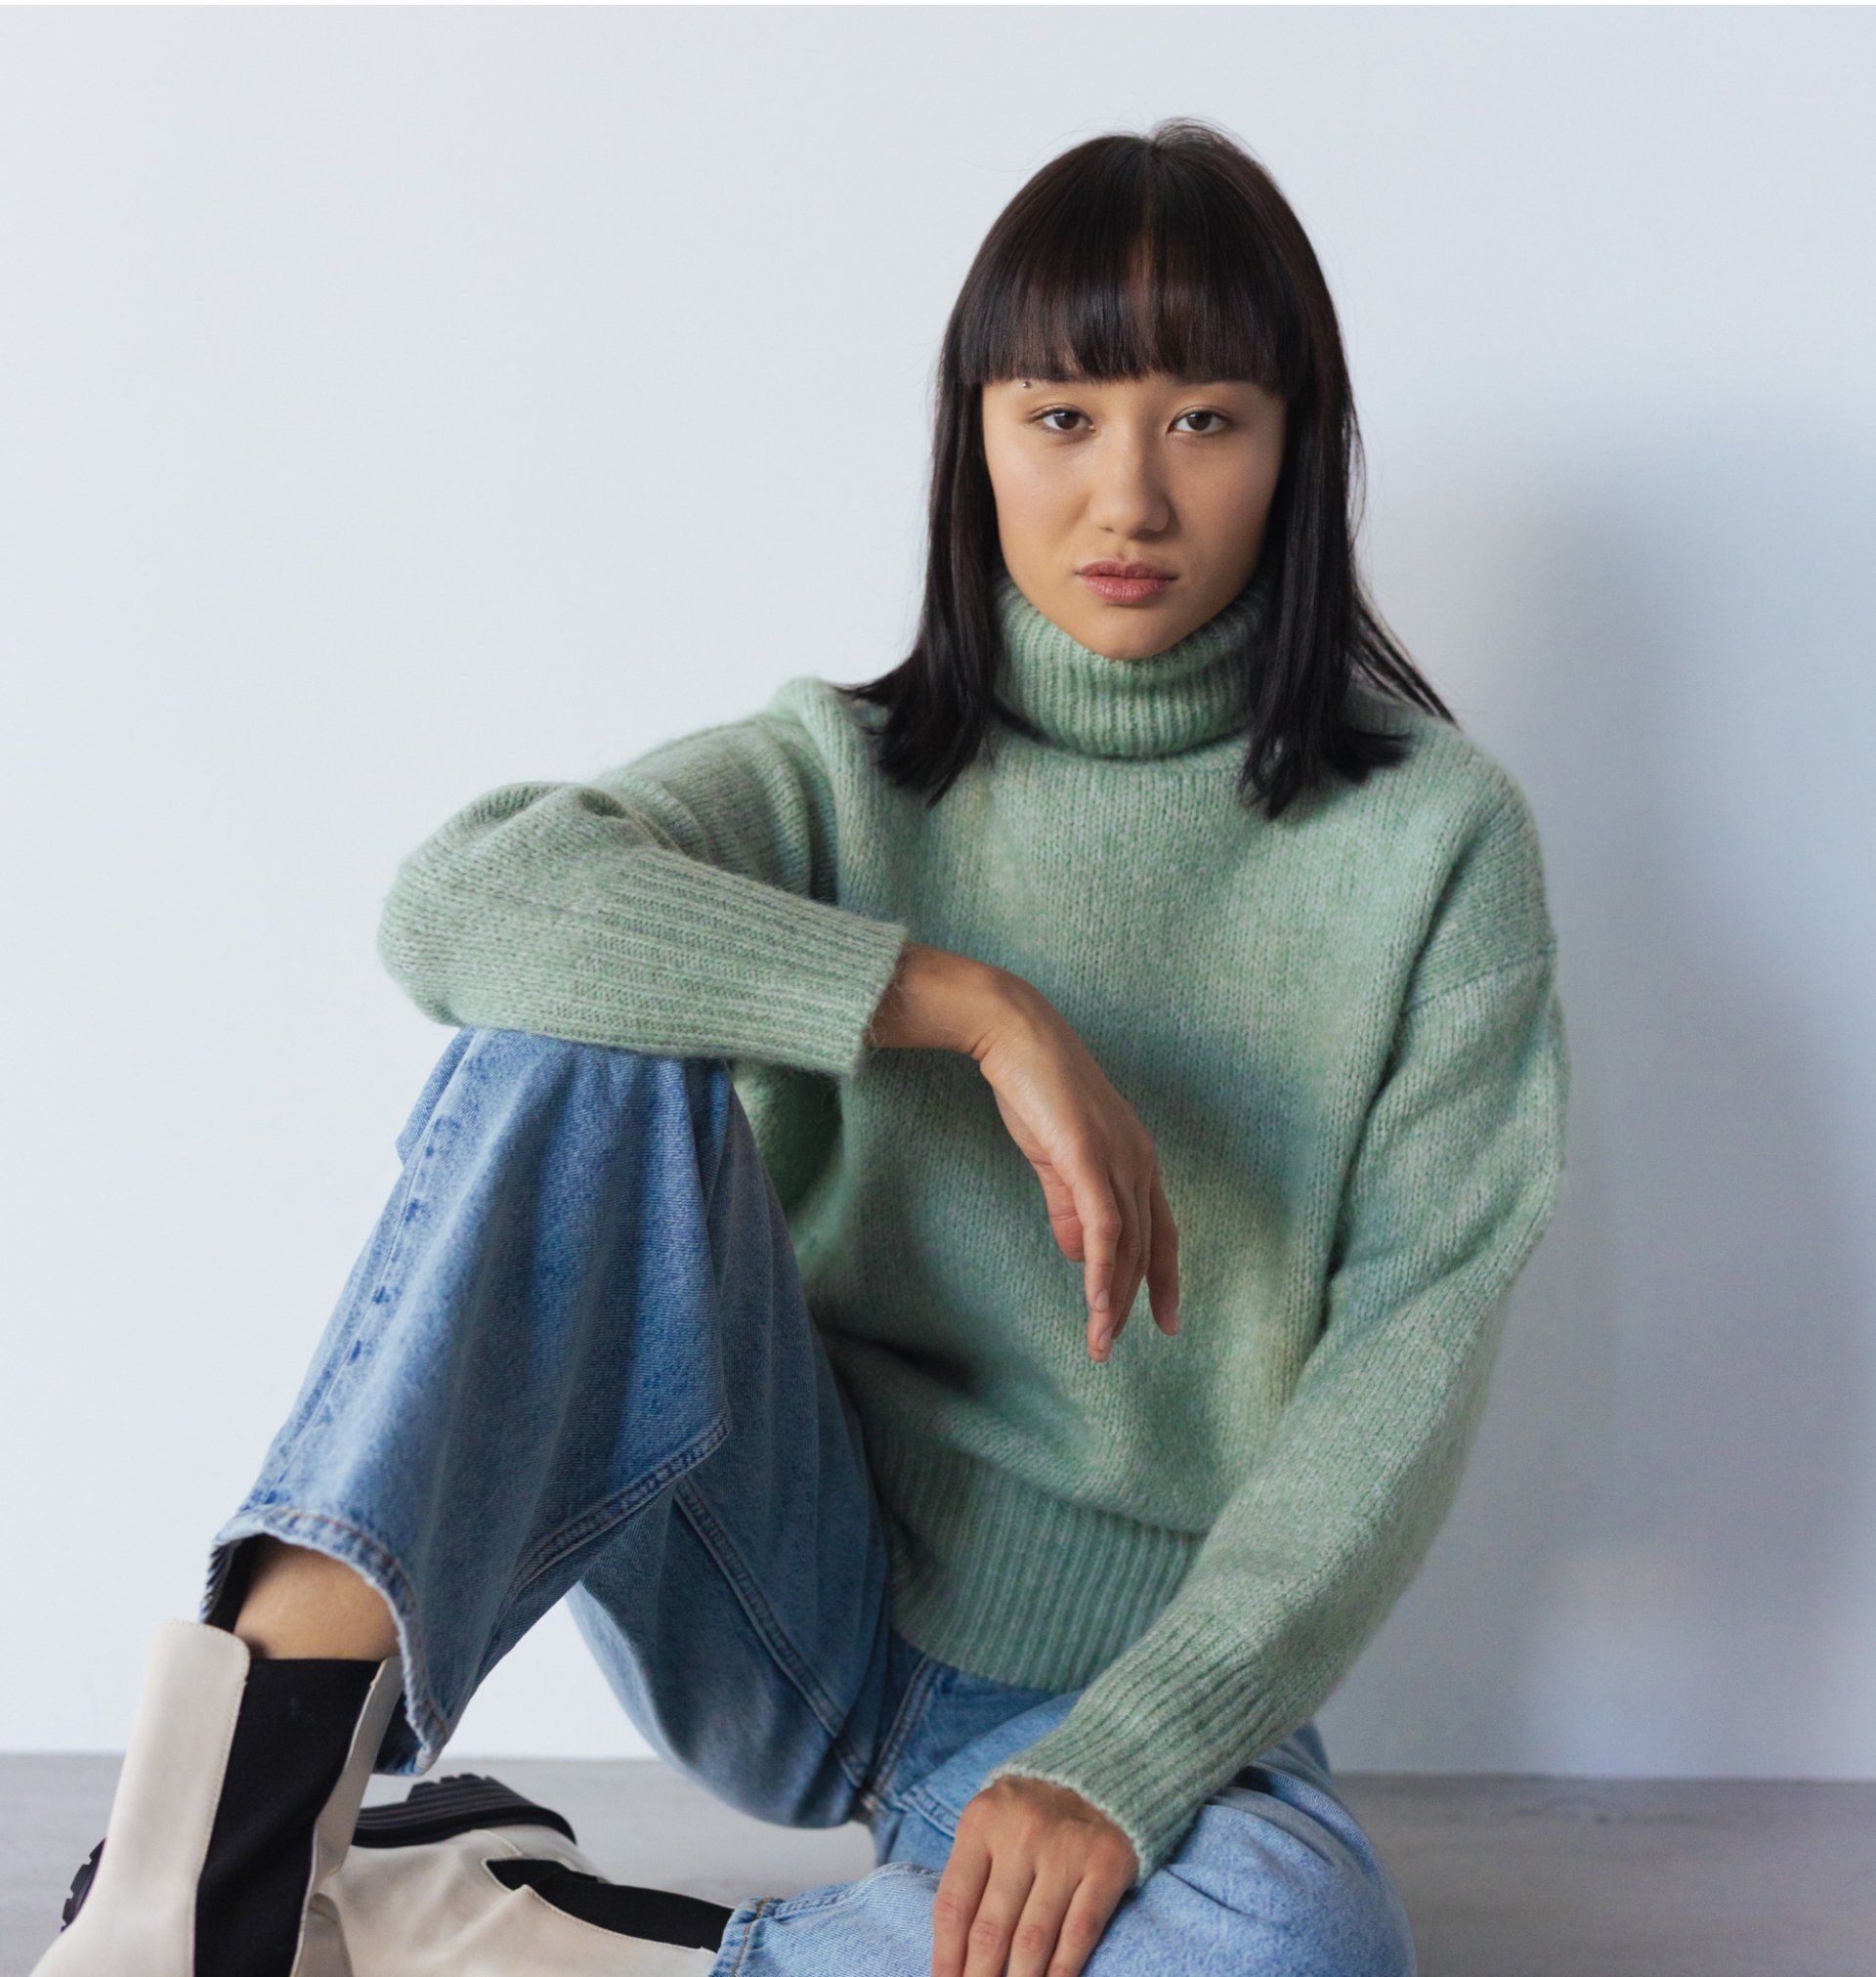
402 1202
749 1932
548 1551
423 1150
336 1361
782 1651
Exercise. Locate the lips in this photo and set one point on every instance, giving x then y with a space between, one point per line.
1123 590
1109 569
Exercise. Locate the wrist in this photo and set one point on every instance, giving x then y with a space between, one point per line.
940 1000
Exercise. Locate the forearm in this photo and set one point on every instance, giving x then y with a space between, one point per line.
558 909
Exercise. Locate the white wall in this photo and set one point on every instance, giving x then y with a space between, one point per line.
395 403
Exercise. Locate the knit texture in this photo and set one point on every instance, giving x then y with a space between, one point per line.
1341 1028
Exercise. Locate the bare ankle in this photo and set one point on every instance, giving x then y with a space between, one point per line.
302 1603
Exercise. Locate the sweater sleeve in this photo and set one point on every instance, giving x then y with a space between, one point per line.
1457 1171
682 905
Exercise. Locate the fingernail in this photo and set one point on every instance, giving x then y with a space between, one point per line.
1100 1299
1103 1340
1173 1319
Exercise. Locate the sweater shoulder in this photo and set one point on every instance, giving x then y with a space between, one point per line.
1465 822
1447 768
802 739
832 721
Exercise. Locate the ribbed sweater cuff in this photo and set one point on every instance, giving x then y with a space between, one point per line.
1150 1742
694 961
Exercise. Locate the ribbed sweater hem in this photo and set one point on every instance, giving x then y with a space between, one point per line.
1011 1582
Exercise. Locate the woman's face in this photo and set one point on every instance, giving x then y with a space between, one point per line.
1176 475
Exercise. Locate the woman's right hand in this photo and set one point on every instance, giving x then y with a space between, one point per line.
1099 1172
1096 1163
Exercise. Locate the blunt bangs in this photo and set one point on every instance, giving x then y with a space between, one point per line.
1131 268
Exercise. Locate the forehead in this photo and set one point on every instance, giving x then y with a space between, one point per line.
1159 380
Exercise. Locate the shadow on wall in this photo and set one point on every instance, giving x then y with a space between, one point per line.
1659 1558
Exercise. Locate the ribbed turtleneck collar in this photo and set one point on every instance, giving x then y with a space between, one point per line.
1080 699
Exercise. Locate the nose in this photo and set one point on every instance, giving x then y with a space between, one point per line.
1127 494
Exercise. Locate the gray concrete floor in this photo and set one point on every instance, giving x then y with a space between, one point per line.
1503 1876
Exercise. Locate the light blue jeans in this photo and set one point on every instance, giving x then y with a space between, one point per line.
573 1361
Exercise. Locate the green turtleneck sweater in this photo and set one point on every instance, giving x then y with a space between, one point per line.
1339 1026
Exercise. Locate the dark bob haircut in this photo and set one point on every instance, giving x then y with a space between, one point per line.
1172 252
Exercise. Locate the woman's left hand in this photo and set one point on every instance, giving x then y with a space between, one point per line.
1034 1874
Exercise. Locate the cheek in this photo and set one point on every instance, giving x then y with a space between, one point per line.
1239 500
1030 498
1262 477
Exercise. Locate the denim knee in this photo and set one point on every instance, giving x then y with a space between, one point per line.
524 1050
1258 1879
610 1080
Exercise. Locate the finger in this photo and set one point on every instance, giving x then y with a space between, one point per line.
1125 1283
1163 1278
1101 1226
1084 1926
988 1937
1143 1252
1033 1943
1124 1273
955 1903
1064 1217
1129 1263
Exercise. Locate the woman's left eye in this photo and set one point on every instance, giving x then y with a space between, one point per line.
1204 414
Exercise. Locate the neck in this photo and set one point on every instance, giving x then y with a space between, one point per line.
1078 698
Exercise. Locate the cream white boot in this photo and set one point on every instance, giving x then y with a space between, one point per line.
138 1917
466 1879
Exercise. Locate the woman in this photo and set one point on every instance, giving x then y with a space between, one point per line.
1155 875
